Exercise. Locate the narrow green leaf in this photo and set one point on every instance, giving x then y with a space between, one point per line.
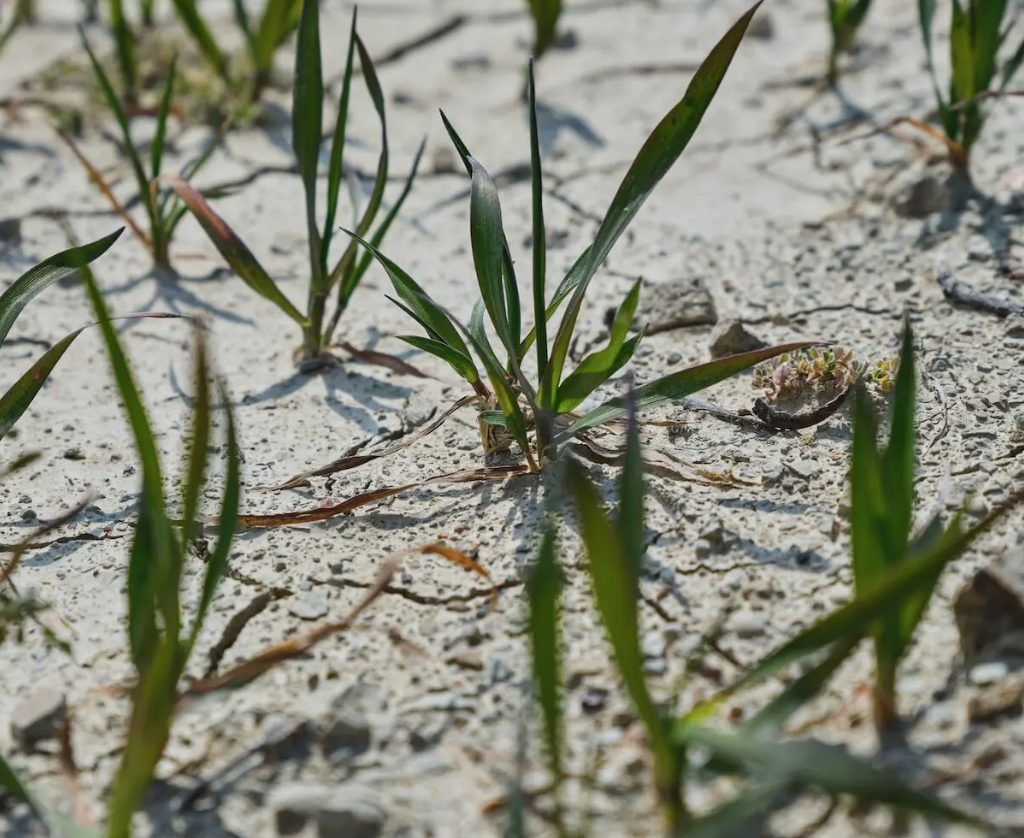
279 20
460 146
462 364
830 768
615 594
543 588
598 367
124 43
21 394
658 154
40 277
540 245
335 168
233 249
677 385
487 238
307 128
545 15
195 474
630 521
156 152
195 24
734 817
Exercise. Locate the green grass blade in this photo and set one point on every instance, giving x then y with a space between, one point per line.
195 25
381 231
487 237
543 587
280 18
227 521
40 277
242 19
658 154
614 583
233 249
58 823
540 245
630 520
125 45
677 385
307 128
417 300
462 364
156 153
545 15
565 288
195 474
460 146
598 367
343 270
1012 65
334 171
114 103
829 768
734 817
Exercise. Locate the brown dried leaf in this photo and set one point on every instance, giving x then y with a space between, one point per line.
382 359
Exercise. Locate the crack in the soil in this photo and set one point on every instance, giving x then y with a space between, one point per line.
426 599
64 539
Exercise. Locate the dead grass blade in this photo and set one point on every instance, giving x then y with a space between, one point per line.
954 149
656 463
382 359
324 513
355 460
104 189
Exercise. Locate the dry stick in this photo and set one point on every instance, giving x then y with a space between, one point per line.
960 292
235 626
657 463
779 420
323 513
954 149
353 461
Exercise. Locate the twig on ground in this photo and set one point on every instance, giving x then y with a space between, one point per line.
962 293
781 421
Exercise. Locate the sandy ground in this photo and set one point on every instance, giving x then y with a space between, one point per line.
788 228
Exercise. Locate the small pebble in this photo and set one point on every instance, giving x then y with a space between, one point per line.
988 673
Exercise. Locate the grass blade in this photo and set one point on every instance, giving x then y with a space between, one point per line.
159 138
307 128
544 587
540 245
545 15
38 278
658 154
233 249
677 385
462 364
195 472
195 24
334 172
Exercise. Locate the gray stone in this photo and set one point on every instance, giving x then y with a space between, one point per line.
348 732
445 701
804 469
748 624
653 645
309 605
674 304
985 674
731 337
1004 697
10 229
351 811
989 609
923 198
38 718
293 804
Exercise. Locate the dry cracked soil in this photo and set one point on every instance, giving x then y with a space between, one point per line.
788 213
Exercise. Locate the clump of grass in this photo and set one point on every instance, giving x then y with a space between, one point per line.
791 374
769 771
16 400
164 210
253 70
343 277
979 34
515 405
160 641
845 18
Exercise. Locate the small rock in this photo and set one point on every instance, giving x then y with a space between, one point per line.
712 532
1003 697
731 337
445 701
468 659
348 732
989 609
593 700
985 674
702 548
991 754
309 605
295 803
497 670
761 27
10 229
38 718
804 469
925 197
350 811
653 645
675 304
748 624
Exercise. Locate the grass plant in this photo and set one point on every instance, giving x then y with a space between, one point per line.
888 593
343 276
845 18
979 39
513 404
164 210
545 14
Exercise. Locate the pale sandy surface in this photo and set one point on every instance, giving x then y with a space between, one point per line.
764 219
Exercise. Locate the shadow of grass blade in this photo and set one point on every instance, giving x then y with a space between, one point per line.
233 249
543 588
677 385
658 154
39 277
